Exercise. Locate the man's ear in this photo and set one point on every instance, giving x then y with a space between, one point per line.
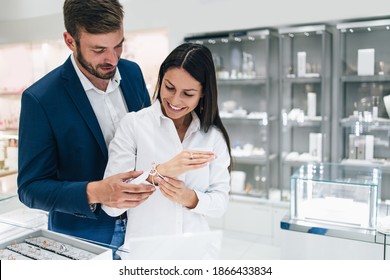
69 41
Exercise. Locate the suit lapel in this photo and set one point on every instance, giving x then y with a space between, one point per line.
76 92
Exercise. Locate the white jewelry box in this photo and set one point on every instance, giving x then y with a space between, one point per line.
366 62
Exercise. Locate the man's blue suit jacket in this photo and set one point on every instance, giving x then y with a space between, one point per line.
61 149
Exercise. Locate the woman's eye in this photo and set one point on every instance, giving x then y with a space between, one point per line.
169 88
188 94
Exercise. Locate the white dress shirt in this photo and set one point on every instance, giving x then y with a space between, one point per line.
109 106
147 137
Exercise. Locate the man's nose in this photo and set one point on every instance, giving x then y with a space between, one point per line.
111 57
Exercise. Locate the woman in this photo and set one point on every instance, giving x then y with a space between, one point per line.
182 146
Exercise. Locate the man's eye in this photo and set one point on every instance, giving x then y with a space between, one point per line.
99 51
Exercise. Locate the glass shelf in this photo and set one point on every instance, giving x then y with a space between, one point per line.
375 78
297 162
243 82
379 124
302 80
252 159
240 120
305 122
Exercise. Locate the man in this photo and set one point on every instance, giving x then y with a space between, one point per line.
67 121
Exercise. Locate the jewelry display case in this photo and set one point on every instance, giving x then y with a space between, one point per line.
47 245
338 194
247 77
305 89
335 214
362 108
24 236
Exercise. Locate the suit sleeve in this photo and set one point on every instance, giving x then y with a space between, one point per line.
38 185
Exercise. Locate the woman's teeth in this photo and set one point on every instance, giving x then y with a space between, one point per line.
174 108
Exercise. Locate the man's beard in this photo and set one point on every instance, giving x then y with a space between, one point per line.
94 71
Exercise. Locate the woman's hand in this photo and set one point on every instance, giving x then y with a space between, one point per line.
176 191
185 161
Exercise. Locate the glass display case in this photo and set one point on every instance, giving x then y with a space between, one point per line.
247 75
305 89
23 234
339 194
363 100
43 244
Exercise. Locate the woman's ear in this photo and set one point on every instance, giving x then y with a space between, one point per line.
201 104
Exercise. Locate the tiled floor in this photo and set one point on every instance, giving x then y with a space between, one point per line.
241 246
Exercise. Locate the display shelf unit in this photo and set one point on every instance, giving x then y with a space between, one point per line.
246 63
8 187
363 124
305 91
9 112
8 149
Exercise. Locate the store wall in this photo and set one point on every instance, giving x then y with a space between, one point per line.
26 20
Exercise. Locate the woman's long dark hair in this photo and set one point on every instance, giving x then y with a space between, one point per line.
197 60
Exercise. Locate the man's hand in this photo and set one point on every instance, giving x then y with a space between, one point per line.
115 192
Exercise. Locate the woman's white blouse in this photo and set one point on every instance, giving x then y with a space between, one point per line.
147 137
